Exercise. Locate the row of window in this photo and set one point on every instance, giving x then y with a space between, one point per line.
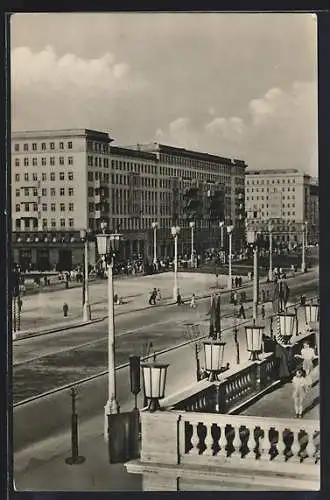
178 160
33 223
36 146
52 176
97 162
252 181
248 198
44 192
98 147
44 207
52 161
261 190
267 214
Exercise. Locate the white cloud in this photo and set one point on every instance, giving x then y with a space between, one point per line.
60 73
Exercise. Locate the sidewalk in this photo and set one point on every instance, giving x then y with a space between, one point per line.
38 312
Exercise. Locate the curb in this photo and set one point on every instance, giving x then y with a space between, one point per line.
24 335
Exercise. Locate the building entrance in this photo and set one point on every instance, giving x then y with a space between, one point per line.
65 260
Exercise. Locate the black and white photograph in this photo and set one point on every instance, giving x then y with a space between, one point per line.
164 251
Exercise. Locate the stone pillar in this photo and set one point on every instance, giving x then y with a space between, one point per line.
158 482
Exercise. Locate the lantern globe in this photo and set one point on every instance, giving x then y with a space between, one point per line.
250 237
312 313
254 340
154 225
213 357
154 382
286 323
103 244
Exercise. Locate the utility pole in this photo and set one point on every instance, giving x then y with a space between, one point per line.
75 458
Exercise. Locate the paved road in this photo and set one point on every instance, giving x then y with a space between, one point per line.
54 360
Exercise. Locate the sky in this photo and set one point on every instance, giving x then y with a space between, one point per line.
236 85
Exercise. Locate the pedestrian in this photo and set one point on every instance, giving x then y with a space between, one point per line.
307 355
65 309
158 295
179 299
193 301
235 299
19 304
300 387
241 312
263 312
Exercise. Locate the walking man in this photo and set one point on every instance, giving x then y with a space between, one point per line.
241 312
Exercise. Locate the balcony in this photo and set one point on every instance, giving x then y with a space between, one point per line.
200 442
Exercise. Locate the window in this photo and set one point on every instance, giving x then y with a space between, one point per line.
35 207
26 207
18 207
34 176
52 160
43 146
44 222
16 147
26 162
26 147
34 162
43 176
18 192
43 161
90 190
44 192
61 145
18 223
53 207
35 192
61 160
52 145
90 176
69 145
34 146
71 207
71 222
70 160
91 207
61 191
62 207
52 176
44 207
52 192
26 177
61 176
53 222
90 161
17 162
70 176
17 177
70 190
62 222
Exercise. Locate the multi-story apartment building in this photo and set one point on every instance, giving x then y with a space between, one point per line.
282 196
67 180
313 230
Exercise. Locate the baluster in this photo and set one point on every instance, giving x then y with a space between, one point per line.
264 445
237 440
310 448
194 440
222 440
280 445
208 441
295 447
251 443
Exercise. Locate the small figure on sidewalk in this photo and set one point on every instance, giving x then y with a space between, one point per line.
241 312
235 298
19 304
263 312
158 297
307 355
193 301
65 309
300 387
179 299
152 298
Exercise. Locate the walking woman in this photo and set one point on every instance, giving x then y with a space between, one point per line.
300 387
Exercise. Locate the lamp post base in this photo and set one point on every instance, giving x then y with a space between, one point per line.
270 275
86 312
229 283
111 408
175 292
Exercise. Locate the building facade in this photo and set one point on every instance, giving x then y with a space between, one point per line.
67 180
285 197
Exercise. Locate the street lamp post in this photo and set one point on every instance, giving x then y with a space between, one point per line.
251 237
192 227
86 305
104 241
230 234
270 272
303 258
175 230
155 227
221 225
